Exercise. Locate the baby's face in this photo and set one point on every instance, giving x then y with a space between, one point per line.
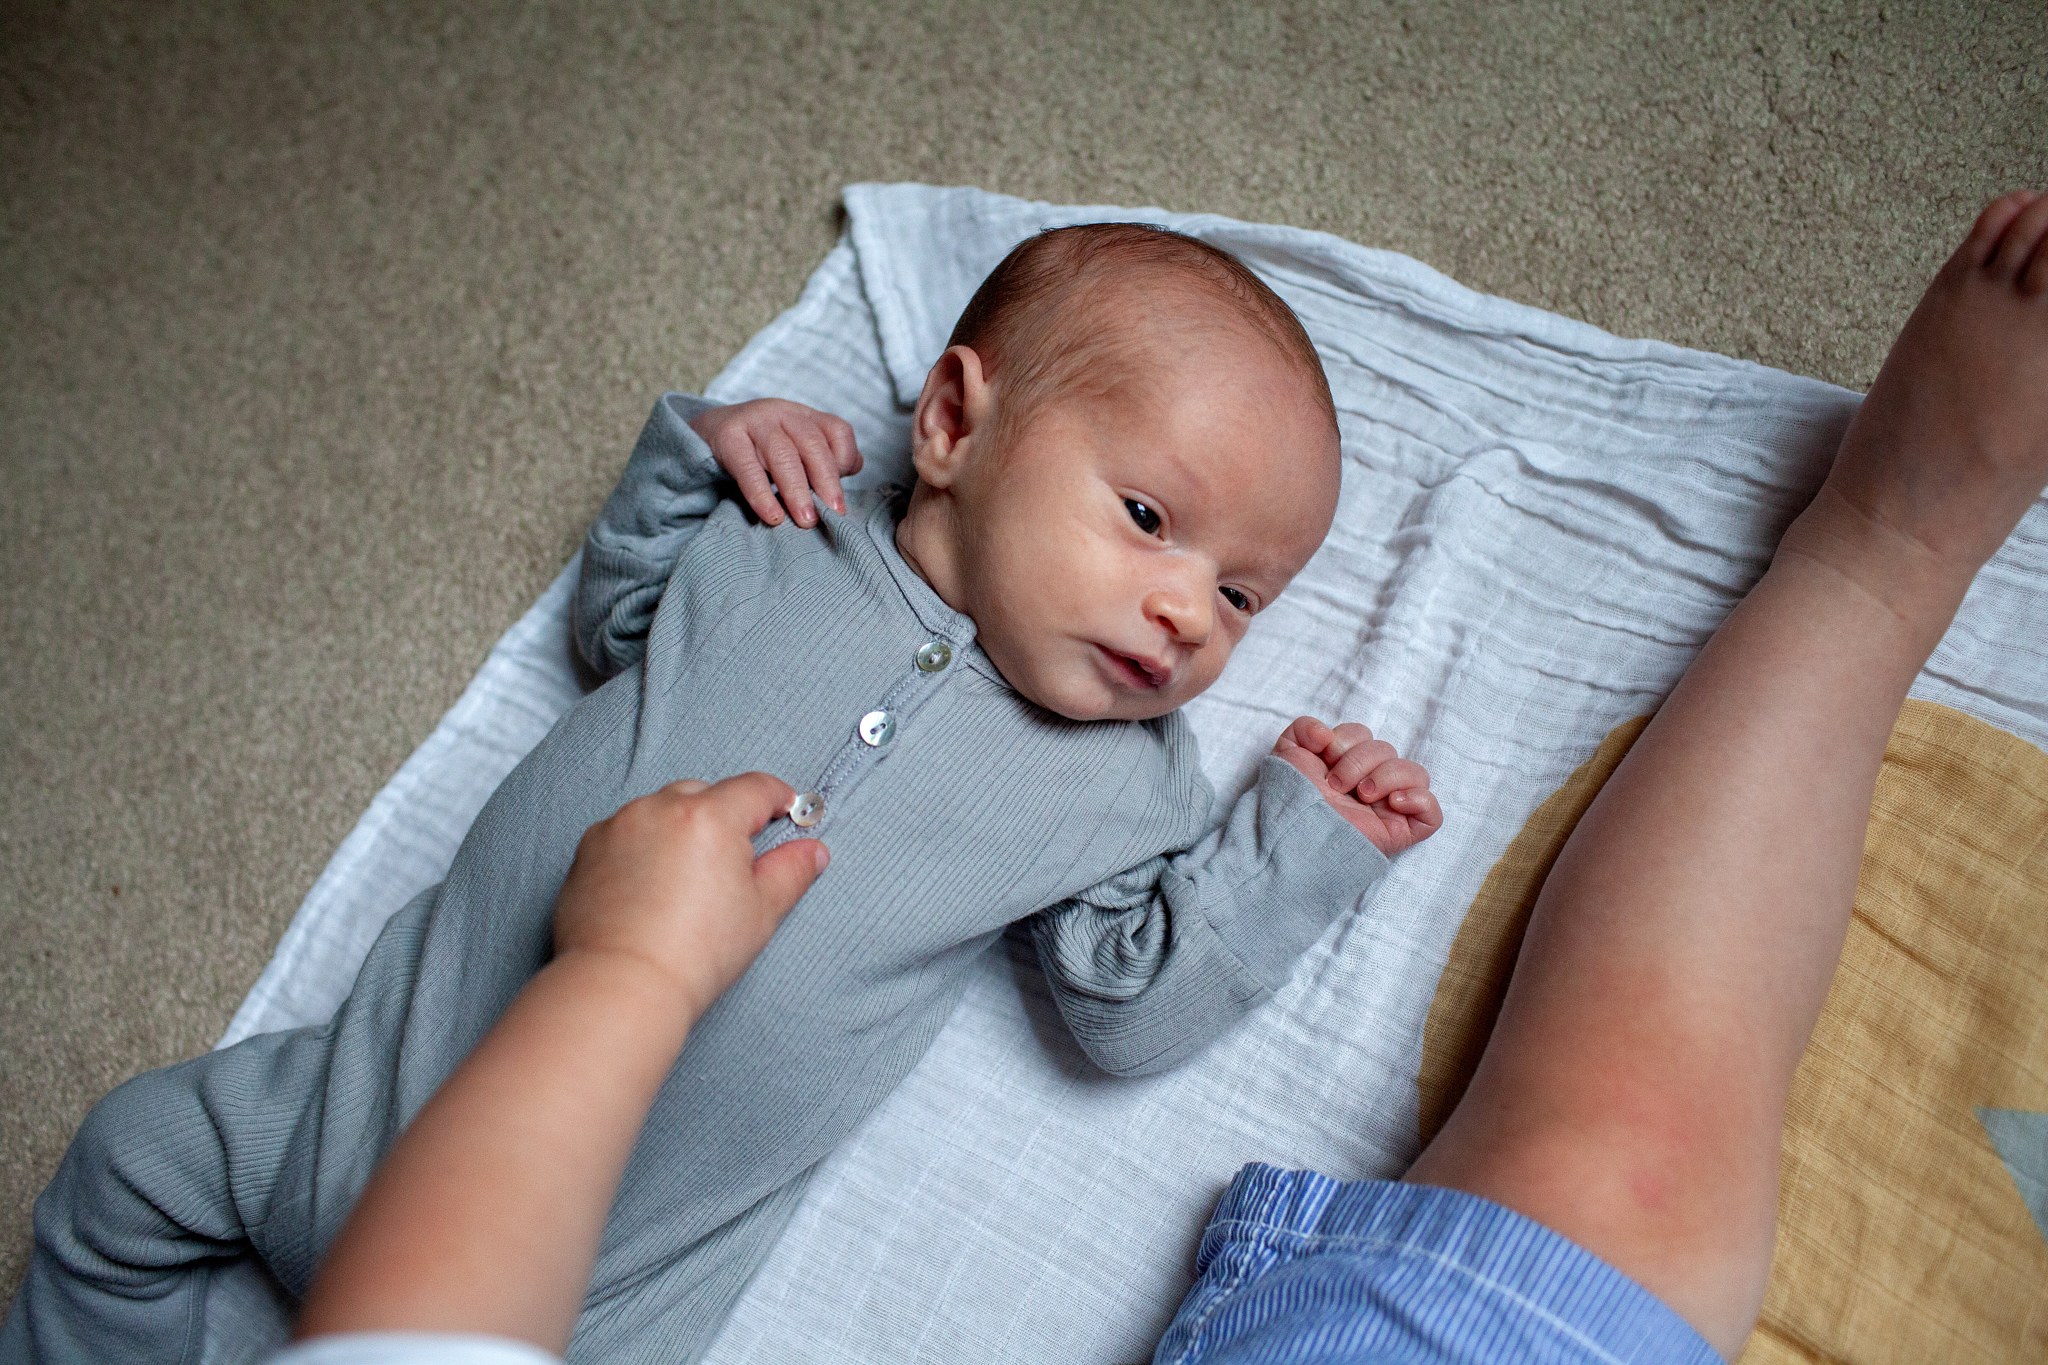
1116 549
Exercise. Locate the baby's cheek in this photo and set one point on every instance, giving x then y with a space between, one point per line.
1207 667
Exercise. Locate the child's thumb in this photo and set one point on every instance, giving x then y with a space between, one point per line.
784 873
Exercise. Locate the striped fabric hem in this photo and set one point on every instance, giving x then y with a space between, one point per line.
1297 1267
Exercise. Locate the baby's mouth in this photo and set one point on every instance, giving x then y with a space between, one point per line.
1137 672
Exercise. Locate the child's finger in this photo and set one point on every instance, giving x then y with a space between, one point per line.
1390 774
1421 808
1358 760
745 468
1344 738
821 465
751 800
1307 732
839 434
786 871
787 466
1304 761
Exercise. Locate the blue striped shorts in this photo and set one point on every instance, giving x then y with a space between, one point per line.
1297 1267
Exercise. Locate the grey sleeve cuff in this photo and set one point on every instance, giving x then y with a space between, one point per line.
670 485
1152 964
1284 866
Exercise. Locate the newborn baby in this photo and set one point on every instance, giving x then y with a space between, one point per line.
1128 451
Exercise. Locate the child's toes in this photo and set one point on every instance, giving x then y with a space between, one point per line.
1989 229
2021 241
2035 280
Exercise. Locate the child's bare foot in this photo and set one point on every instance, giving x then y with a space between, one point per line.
1951 445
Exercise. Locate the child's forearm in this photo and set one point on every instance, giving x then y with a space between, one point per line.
486 1215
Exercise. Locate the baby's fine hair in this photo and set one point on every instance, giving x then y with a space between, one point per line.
1013 321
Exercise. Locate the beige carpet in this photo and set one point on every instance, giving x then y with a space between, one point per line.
324 329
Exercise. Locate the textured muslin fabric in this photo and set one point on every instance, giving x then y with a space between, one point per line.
412 1348
1540 525
1298 1269
768 646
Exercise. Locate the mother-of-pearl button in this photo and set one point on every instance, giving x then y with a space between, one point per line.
934 655
877 728
807 810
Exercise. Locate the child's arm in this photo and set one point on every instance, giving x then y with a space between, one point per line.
486 1215
1152 964
687 450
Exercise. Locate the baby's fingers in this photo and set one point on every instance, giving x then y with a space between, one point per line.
738 457
839 435
786 463
1305 732
1360 759
1424 816
821 463
1390 774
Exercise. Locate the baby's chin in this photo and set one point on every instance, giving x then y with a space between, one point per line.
1067 687
1089 703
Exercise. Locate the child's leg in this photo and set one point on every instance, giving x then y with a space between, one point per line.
1633 1092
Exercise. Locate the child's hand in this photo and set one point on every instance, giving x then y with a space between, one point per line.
672 881
805 452
1384 796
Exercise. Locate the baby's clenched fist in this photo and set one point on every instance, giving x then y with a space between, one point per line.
772 445
1384 796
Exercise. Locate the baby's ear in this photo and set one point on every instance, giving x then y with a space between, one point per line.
955 412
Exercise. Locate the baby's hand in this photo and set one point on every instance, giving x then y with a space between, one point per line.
1384 796
805 452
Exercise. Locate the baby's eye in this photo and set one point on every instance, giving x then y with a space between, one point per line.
1236 599
1147 519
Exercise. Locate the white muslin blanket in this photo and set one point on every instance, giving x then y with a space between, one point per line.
1540 525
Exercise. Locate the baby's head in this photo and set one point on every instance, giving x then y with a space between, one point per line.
1127 450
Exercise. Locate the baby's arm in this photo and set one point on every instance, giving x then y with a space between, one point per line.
687 450
1152 964
1382 795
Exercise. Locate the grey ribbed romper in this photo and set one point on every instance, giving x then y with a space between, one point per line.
735 646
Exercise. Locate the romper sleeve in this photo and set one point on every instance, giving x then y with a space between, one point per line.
671 484
1150 965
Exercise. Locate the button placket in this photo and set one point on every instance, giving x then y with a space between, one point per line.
874 734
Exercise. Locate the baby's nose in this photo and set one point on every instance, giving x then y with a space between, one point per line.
1187 617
